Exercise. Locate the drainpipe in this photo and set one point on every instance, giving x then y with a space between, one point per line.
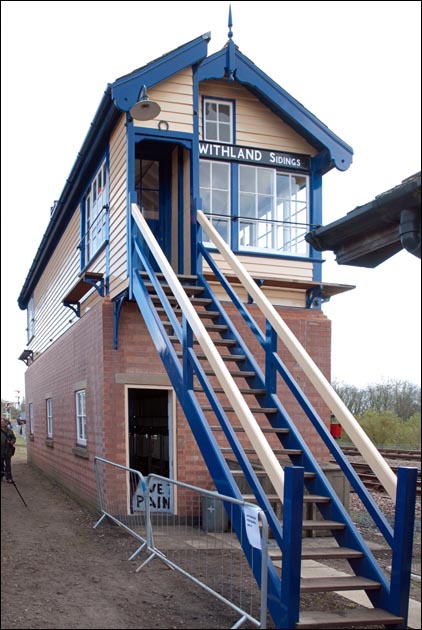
410 232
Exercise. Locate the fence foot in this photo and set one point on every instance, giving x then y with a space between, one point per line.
99 521
135 553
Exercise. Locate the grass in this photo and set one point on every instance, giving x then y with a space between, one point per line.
20 446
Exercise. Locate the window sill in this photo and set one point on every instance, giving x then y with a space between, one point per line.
49 442
80 451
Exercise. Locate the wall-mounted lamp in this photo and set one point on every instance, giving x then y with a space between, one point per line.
145 108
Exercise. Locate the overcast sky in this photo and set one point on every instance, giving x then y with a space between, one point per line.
354 65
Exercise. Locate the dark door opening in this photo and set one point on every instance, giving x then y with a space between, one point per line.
153 189
149 450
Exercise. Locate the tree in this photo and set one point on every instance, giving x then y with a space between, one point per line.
402 398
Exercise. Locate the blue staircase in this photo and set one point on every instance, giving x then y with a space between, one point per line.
310 503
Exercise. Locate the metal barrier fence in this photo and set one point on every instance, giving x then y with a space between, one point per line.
204 535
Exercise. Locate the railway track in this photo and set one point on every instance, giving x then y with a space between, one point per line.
388 453
369 479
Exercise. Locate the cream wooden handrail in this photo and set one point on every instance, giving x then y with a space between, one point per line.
312 371
269 461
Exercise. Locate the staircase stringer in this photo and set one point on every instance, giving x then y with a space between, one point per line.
217 466
309 367
291 440
350 537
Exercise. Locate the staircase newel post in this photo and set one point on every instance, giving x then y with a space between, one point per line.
270 350
404 522
292 546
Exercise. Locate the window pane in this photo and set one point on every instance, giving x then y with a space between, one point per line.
225 134
220 202
265 206
211 131
220 175
247 205
247 179
210 111
205 175
266 181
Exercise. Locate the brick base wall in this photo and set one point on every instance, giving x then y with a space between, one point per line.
84 358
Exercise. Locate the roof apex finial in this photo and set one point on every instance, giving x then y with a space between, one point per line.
230 24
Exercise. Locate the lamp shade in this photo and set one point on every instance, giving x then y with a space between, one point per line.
145 108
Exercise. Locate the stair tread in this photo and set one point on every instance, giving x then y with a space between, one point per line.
252 409
226 357
216 342
198 301
337 583
201 314
250 451
241 374
264 430
243 390
313 553
308 498
330 552
188 288
346 618
322 525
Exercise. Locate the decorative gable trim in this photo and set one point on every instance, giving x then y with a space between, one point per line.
232 63
125 91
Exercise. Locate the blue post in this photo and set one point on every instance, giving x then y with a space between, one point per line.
270 350
403 541
292 546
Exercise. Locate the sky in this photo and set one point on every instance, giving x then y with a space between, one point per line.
354 65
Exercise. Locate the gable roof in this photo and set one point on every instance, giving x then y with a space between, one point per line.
230 62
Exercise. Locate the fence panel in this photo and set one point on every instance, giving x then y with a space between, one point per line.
205 536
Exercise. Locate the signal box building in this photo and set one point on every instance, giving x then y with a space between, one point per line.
229 141
174 311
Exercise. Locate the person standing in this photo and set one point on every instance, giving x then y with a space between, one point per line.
8 440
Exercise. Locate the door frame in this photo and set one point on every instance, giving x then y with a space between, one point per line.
171 407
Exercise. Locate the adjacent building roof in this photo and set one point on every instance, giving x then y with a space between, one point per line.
370 234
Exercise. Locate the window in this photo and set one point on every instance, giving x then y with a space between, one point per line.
273 210
49 418
218 121
215 194
80 418
96 206
30 318
269 211
31 418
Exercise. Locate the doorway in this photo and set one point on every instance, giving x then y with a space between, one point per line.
149 431
153 189
150 444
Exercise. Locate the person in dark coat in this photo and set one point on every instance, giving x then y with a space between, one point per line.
8 440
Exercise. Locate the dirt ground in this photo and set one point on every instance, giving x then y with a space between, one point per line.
58 572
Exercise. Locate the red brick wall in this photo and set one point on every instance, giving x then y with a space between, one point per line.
85 353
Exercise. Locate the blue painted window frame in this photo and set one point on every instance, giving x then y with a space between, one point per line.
220 125
234 219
